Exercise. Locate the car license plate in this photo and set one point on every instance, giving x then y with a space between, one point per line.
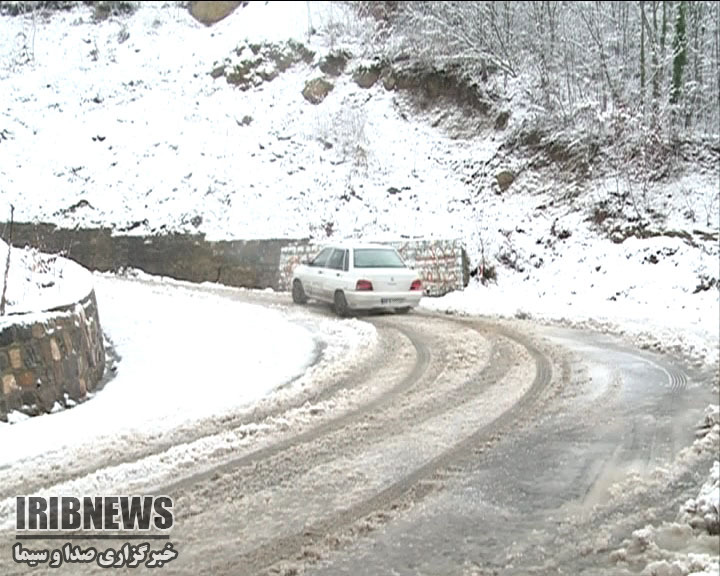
392 300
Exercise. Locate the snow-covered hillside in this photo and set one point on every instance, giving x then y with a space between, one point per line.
127 123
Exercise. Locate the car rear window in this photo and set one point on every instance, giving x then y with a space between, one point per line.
377 258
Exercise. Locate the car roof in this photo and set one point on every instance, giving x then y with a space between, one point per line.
344 245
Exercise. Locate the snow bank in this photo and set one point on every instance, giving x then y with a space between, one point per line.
39 282
646 289
183 356
690 545
703 512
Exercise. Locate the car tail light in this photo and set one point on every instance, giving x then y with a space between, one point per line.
416 285
363 285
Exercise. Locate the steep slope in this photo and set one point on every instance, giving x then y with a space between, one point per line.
278 121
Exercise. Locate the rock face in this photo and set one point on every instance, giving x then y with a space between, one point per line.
505 179
211 12
365 77
334 63
252 64
501 120
316 90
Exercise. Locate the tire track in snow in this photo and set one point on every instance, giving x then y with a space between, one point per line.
409 488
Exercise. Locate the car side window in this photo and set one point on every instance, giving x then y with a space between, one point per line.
321 259
346 262
337 259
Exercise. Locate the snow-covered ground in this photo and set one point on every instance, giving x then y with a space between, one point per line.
184 356
612 287
118 123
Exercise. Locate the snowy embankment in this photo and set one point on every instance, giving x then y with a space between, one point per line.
612 287
183 356
690 545
38 282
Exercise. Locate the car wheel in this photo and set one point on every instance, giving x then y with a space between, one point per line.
341 307
298 293
403 310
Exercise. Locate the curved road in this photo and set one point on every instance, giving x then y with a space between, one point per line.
456 446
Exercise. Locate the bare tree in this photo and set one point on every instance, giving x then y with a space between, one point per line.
581 62
7 263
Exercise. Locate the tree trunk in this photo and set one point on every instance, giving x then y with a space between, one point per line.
7 263
642 55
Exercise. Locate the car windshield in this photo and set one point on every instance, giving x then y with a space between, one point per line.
377 258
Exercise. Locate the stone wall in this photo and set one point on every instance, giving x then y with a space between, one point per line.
48 357
250 264
243 263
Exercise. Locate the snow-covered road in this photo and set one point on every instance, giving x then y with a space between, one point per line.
419 444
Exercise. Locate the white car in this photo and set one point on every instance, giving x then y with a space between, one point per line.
358 277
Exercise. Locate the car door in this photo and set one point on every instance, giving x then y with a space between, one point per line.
334 278
316 273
